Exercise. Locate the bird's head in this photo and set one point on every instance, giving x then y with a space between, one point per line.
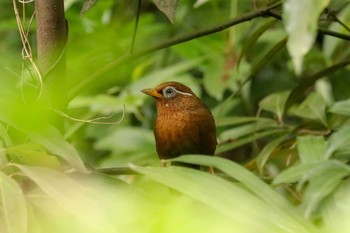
173 95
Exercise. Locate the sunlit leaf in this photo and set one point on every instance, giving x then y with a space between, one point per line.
336 210
265 153
312 108
226 197
311 148
4 136
251 138
69 195
299 92
246 129
301 22
294 173
229 121
341 107
321 186
54 142
32 154
338 141
13 206
302 173
275 103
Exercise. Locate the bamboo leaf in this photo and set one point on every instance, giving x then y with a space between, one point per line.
251 138
246 129
70 196
275 103
264 155
229 198
251 40
321 187
54 142
299 92
32 154
314 107
13 206
311 148
338 141
341 107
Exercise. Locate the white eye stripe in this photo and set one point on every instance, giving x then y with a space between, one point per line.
170 91
183 93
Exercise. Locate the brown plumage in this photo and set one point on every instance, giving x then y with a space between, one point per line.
184 125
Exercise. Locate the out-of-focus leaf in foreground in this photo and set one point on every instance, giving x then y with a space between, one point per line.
255 207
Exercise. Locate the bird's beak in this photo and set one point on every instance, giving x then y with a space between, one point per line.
152 92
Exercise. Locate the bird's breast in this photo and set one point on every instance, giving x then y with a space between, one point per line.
184 133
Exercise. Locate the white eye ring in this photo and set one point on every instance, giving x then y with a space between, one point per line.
169 92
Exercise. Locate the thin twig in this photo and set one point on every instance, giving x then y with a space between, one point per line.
319 30
95 120
244 18
265 12
27 51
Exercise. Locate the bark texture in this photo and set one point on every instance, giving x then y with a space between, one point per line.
52 32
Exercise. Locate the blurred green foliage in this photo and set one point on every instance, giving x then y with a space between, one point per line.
282 162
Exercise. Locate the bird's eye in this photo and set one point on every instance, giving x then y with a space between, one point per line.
169 92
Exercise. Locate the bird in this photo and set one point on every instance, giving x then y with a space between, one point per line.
184 124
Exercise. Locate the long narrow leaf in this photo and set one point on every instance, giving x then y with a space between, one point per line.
249 180
13 206
249 213
55 143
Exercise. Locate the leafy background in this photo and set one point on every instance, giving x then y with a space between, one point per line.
277 86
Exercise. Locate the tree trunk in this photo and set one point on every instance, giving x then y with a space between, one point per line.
52 32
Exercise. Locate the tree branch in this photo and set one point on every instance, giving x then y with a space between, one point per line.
244 18
265 12
320 30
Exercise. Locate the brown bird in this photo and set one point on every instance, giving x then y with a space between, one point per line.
184 125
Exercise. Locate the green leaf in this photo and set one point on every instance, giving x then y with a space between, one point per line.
311 148
13 206
313 108
32 154
243 207
275 103
264 155
294 173
251 138
251 40
70 196
54 142
321 186
246 129
337 141
335 212
266 58
248 179
299 92
4 136
304 172
301 22
341 107
229 121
